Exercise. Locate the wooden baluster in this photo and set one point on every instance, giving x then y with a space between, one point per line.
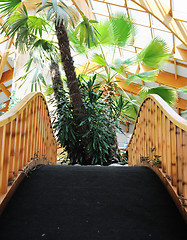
1 153
184 154
5 157
48 138
173 155
152 136
159 126
43 130
37 126
12 151
22 140
163 132
138 142
29 147
40 128
17 142
168 148
156 129
149 129
145 130
27 132
34 128
141 135
179 161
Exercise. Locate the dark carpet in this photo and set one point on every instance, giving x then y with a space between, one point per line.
91 203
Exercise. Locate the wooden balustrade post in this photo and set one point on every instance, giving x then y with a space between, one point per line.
179 161
12 151
163 131
168 148
29 147
37 131
43 129
22 140
184 155
156 129
5 154
27 131
173 155
17 143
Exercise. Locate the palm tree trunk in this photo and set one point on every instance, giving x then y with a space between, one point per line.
73 85
56 80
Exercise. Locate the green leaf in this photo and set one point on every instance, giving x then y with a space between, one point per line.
155 54
123 29
167 94
148 76
99 60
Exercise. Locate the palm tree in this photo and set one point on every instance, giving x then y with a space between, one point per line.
27 28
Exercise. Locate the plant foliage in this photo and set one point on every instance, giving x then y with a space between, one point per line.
102 124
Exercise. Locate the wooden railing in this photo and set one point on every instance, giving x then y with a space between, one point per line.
26 135
160 131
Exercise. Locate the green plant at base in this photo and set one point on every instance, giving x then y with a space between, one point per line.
101 127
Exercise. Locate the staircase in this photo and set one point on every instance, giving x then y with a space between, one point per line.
92 203
73 202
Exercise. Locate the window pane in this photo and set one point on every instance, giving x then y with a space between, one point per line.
117 2
140 17
157 24
116 9
143 36
99 7
131 4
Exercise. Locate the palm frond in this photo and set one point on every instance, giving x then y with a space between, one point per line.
106 33
86 31
155 54
97 58
60 11
148 76
9 6
167 94
123 29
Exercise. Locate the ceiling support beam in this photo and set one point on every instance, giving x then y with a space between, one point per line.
4 56
5 90
85 7
2 65
6 76
163 13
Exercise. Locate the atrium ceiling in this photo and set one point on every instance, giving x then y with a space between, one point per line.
164 18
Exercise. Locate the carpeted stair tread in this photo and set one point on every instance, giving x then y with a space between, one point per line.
91 203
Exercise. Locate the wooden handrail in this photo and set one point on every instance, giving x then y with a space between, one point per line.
26 135
160 131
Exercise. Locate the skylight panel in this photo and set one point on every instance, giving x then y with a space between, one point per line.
99 7
117 2
100 18
180 9
143 36
140 17
116 9
133 5
157 24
